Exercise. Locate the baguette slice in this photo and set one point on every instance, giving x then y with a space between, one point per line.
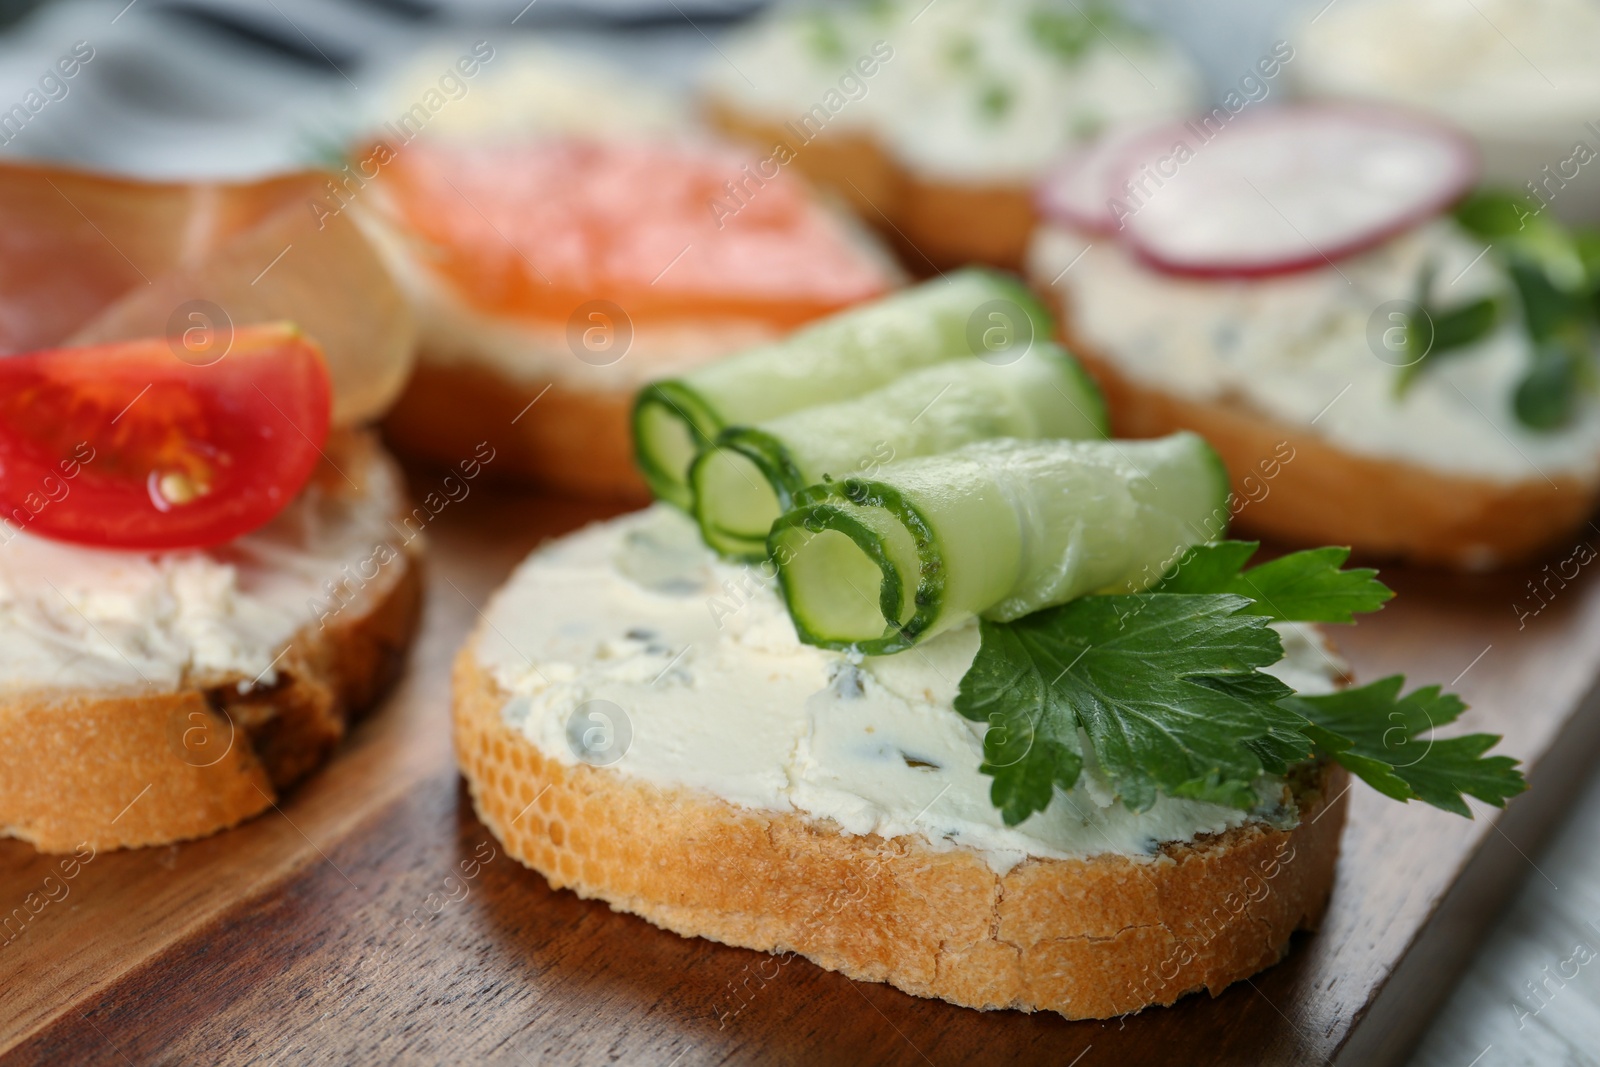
1090 938
935 224
572 438
849 162
131 766
485 360
1326 495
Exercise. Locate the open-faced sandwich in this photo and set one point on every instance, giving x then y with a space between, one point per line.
936 120
554 276
995 717
1519 76
206 563
1382 357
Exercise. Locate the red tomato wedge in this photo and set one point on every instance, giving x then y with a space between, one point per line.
664 231
130 446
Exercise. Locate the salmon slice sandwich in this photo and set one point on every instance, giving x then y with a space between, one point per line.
203 568
1384 355
990 713
553 277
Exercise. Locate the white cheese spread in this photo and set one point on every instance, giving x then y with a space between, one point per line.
80 618
526 87
706 686
979 97
1295 348
535 353
1520 75
970 91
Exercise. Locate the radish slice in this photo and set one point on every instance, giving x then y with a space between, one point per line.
1285 189
1080 189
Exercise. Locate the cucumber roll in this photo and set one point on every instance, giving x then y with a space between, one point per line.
998 528
751 474
968 312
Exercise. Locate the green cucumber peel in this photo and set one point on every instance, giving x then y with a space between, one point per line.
833 359
671 423
751 474
997 529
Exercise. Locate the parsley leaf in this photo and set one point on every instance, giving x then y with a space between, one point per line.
1549 311
1492 214
1378 735
1451 331
1303 586
1032 741
1556 274
1559 322
1166 690
1547 396
825 38
995 100
1164 686
1071 35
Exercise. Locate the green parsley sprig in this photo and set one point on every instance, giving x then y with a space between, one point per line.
1166 689
1435 332
1555 272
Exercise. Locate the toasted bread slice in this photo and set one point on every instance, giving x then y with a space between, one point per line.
847 161
583 332
573 439
936 224
1089 938
1321 494
123 765
951 224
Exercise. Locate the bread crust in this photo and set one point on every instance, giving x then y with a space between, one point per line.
126 769
956 223
850 164
575 441
936 224
1325 495
1088 938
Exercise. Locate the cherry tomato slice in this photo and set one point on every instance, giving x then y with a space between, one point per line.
147 445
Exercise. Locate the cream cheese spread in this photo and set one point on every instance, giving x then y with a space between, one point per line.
78 617
535 353
970 91
1296 348
1521 75
1484 62
704 685
527 87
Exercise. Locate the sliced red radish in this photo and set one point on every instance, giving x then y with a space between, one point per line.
1080 189
1284 188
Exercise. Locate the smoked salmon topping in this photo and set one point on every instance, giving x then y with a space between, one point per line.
536 230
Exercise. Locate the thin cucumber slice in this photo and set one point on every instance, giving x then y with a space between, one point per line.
750 476
998 528
967 312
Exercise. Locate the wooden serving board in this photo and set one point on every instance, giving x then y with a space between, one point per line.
374 918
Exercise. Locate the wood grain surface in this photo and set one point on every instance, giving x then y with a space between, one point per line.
373 918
